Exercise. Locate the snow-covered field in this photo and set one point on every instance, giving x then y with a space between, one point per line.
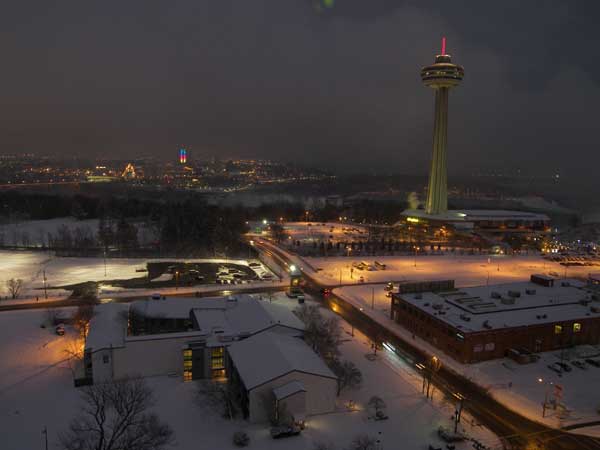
466 270
35 232
30 266
36 391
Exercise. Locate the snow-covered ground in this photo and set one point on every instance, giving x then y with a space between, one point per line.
36 391
464 269
324 231
35 232
514 385
60 271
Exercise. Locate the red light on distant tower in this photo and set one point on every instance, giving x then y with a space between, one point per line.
443 46
182 156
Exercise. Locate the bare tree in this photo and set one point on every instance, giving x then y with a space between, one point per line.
115 417
363 442
82 317
377 403
349 376
278 232
14 286
323 335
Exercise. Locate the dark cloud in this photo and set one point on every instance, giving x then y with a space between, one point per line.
337 85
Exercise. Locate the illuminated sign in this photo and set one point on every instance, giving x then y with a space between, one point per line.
412 219
182 156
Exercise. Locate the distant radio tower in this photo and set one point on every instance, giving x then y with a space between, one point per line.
441 76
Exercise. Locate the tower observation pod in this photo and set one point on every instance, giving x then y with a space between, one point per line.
441 76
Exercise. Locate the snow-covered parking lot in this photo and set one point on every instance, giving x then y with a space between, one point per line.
466 270
60 271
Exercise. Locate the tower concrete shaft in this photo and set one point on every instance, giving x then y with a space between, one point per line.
437 193
442 75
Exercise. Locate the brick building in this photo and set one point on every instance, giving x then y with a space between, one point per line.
487 322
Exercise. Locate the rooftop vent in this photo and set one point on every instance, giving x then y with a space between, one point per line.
530 291
487 325
465 317
508 301
514 294
495 294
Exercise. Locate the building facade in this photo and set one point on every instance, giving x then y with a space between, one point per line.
489 322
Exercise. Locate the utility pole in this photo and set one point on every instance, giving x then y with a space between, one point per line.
45 433
45 286
372 298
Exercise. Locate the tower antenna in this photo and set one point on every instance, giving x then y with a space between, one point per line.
443 45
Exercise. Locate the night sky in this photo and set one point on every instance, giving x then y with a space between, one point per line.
335 84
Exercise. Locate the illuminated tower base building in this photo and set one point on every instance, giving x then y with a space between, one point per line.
441 76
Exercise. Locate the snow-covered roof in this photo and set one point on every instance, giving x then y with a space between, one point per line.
480 308
245 315
108 326
267 356
171 307
288 389
233 315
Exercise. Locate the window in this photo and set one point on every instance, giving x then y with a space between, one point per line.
576 327
187 365
105 359
557 329
217 363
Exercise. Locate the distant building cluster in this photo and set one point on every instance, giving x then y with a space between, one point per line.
183 171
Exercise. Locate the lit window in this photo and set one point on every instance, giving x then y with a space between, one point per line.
217 363
576 327
557 329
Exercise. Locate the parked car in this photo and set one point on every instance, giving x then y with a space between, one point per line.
60 329
285 431
593 362
579 365
554 368
564 366
389 286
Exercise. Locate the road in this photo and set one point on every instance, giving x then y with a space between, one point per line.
76 302
516 431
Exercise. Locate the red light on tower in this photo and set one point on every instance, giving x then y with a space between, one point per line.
182 155
443 46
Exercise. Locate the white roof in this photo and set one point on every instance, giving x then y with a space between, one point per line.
108 327
288 389
171 307
267 356
246 315
473 309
